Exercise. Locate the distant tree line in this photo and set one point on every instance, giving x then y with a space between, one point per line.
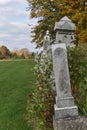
24 53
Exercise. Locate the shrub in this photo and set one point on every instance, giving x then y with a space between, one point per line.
78 73
41 102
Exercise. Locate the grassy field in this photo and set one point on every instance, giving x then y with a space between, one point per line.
16 82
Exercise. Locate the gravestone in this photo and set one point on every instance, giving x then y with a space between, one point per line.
65 30
66 115
64 106
46 43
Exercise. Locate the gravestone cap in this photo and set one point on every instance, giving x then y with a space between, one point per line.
65 24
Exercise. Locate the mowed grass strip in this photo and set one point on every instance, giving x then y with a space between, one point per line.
16 82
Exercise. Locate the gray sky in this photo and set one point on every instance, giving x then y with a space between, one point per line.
14 29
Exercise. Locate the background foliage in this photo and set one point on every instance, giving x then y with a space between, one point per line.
23 53
50 11
78 73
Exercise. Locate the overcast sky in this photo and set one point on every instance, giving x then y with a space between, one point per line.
14 29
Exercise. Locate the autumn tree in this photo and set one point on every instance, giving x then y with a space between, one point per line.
22 53
77 11
25 52
4 52
50 11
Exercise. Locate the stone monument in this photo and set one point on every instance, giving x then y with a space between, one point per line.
64 106
65 30
66 115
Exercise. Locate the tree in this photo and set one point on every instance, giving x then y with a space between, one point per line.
50 11
25 52
5 52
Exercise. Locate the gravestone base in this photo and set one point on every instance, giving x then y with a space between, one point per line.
64 112
71 123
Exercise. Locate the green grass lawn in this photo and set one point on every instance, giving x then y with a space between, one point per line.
16 82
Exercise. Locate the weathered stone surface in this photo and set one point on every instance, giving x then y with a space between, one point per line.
65 31
65 106
61 72
65 111
74 123
65 24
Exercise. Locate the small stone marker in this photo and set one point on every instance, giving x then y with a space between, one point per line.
64 106
46 43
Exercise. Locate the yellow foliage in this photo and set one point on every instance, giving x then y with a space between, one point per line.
45 12
82 37
52 11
